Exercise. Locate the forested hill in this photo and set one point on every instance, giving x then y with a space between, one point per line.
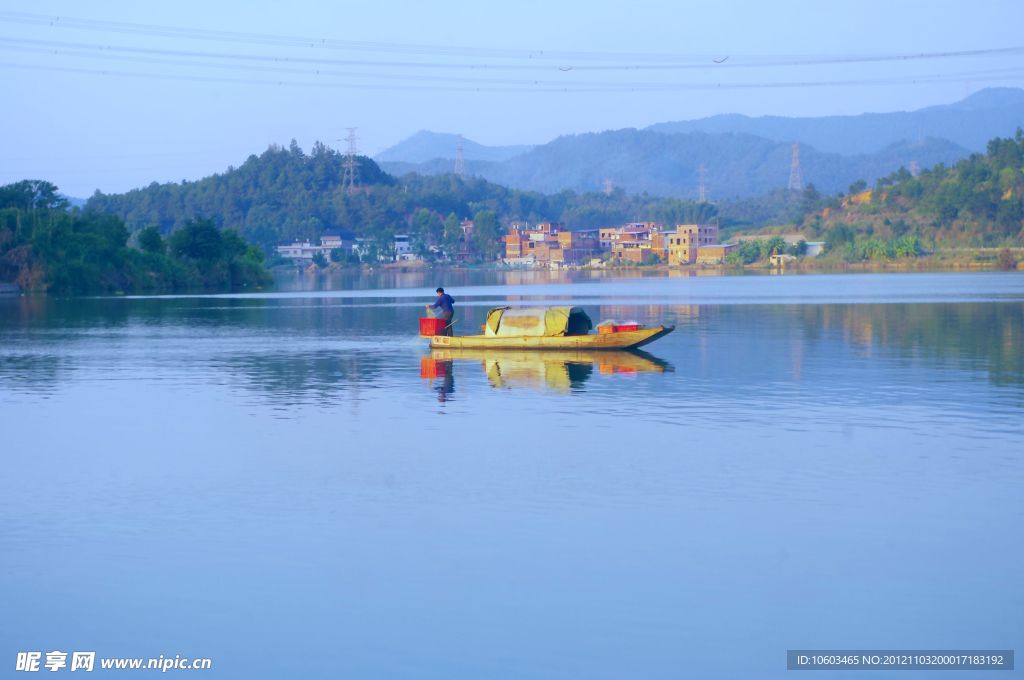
977 201
284 194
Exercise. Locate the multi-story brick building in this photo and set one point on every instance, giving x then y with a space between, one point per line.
635 242
548 243
633 231
684 243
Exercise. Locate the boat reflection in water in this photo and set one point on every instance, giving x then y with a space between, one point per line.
555 370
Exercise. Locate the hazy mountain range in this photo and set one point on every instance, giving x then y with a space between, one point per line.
971 122
426 146
742 156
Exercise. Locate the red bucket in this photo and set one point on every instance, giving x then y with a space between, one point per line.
430 327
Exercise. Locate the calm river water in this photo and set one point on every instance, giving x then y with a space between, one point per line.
292 485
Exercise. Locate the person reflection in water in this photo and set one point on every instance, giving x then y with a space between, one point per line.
446 386
443 308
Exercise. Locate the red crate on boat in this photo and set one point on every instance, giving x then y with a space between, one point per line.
431 327
627 327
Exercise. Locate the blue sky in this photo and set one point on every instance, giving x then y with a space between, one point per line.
110 96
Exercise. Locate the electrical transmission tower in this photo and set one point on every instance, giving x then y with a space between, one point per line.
460 159
914 169
796 180
702 191
350 180
608 186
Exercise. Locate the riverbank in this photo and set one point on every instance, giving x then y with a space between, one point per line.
951 260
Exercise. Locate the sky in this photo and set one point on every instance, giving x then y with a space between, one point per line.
112 95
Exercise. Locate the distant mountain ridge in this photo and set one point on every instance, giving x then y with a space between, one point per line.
736 165
971 122
426 146
743 156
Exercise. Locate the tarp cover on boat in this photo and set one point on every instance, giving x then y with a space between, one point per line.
537 321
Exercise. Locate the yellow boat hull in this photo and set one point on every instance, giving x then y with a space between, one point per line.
591 341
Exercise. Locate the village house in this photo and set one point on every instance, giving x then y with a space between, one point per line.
338 239
636 242
685 242
403 249
548 244
633 231
303 251
298 250
715 253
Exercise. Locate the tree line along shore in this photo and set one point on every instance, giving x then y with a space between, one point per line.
217 233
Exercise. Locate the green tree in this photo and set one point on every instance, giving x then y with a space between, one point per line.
32 194
199 240
150 241
748 252
486 235
776 244
875 249
45 245
906 246
426 230
452 235
839 235
735 258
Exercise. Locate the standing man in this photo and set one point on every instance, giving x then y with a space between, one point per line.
445 306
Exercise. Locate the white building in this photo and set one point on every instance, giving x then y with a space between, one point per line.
302 252
403 249
815 248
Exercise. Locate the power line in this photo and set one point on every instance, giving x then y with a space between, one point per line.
535 55
499 85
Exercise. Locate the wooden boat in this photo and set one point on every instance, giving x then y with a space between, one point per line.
547 328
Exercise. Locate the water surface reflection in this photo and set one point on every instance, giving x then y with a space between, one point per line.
558 371
297 472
